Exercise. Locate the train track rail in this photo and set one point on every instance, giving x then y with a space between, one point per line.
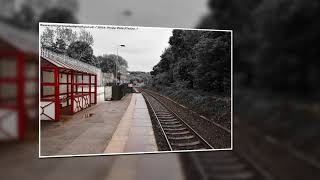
220 165
225 165
178 134
200 116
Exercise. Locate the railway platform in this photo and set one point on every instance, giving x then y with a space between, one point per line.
134 132
87 132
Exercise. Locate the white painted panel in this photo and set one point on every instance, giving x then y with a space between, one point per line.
86 79
9 124
48 76
88 100
100 89
79 78
85 88
48 110
8 91
84 100
92 98
8 66
62 78
62 88
75 105
30 101
31 88
80 99
31 70
48 90
63 100
32 113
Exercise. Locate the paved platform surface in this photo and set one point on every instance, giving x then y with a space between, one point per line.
147 166
134 132
20 161
82 133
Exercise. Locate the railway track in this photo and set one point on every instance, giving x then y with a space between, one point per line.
220 165
178 134
224 165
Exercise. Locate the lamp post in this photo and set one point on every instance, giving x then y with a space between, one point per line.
121 45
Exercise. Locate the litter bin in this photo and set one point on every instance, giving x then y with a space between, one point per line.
107 93
117 93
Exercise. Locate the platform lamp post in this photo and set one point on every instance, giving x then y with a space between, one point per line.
121 45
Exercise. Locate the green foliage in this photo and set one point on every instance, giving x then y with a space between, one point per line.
86 37
289 44
213 53
82 51
195 60
109 62
165 62
67 41
274 42
67 34
60 46
47 38
25 18
57 15
139 78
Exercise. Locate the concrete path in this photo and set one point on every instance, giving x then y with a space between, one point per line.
20 161
147 166
82 133
134 132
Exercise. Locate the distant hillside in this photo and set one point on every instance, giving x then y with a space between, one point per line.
139 78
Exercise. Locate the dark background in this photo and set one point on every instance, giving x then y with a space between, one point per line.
275 87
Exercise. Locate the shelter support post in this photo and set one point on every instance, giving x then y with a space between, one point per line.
57 93
21 95
95 89
72 92
90 94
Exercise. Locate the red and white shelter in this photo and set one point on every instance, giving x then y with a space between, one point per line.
18 82
67 85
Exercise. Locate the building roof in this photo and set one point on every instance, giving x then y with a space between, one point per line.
23 40
64 61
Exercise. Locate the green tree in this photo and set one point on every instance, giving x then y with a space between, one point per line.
25 18
60 46
182 43
274 42
47 38
213 52
109 62
86 37
237 15
195 60
67 34
57 15
82 51
288 58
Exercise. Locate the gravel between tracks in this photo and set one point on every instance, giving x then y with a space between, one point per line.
160 139
219 138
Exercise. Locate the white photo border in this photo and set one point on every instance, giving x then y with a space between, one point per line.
132 153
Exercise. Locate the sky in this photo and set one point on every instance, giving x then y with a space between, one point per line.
143 45
155 13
